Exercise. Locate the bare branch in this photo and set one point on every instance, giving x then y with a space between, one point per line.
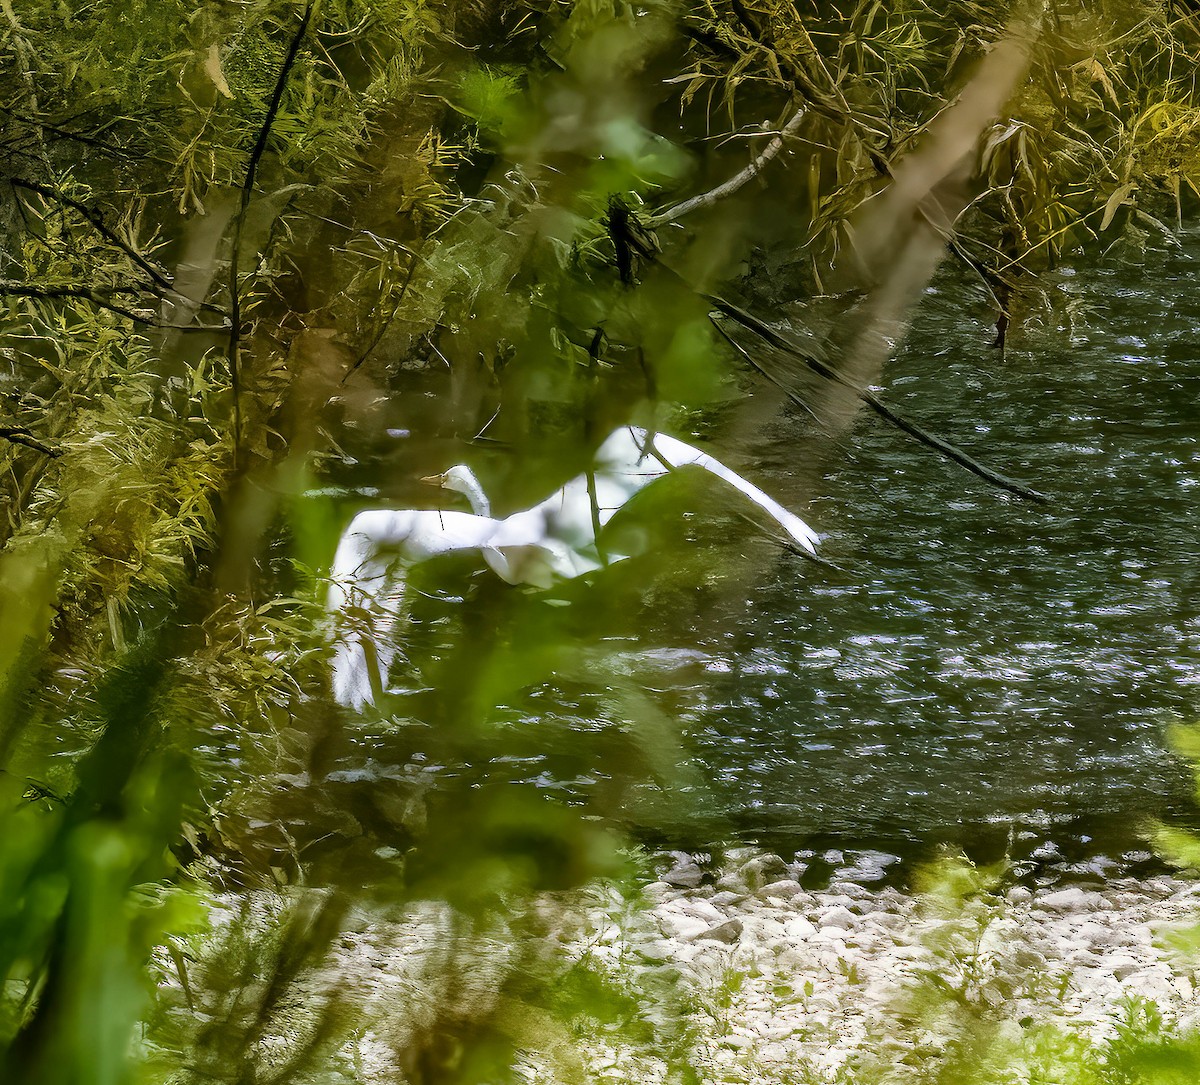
782 343
19 435
260 146
737 181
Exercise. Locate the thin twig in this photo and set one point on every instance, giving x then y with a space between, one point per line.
737 181
377 338
789 545
260 146
486 426
781 343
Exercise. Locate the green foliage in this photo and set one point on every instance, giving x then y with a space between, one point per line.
486 96
961 1011
180 800
1105 121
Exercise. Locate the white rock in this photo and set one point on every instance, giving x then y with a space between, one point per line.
733 883
656 949
738 1042
837 917
701 909
783 889
686 872
797 929
684 927
848 890
657 891
725 899
1072 900
764 928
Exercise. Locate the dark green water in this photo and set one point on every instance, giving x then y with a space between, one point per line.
976 664
984 660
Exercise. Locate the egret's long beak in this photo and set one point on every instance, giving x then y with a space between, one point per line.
434 480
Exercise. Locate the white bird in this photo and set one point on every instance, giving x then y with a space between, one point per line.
555 540
629 460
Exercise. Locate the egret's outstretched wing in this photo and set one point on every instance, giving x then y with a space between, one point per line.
562 527
366 590
361 594
675 453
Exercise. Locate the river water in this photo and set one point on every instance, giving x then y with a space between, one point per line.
976 665
985 661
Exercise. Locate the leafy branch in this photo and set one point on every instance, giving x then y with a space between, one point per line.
737 181
96 221
99 298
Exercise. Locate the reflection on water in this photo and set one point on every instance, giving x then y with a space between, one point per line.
973 659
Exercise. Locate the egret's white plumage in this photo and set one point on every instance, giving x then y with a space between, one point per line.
367 584
554 540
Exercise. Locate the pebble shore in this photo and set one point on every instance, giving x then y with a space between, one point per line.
742 971
786 984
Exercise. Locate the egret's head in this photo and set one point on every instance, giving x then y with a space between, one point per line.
461 479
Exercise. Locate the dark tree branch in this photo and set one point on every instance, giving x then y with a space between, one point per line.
260 146
781 343
96 221
19 435
785 345
712 42
767 375
99 299
66 133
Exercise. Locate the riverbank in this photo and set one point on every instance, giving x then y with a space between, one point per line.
857 983
730 971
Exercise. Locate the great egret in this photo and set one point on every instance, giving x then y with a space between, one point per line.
554 540
368 576
629 460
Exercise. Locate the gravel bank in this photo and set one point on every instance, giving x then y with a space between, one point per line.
786 984
750 976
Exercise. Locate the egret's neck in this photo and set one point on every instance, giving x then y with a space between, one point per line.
480 505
